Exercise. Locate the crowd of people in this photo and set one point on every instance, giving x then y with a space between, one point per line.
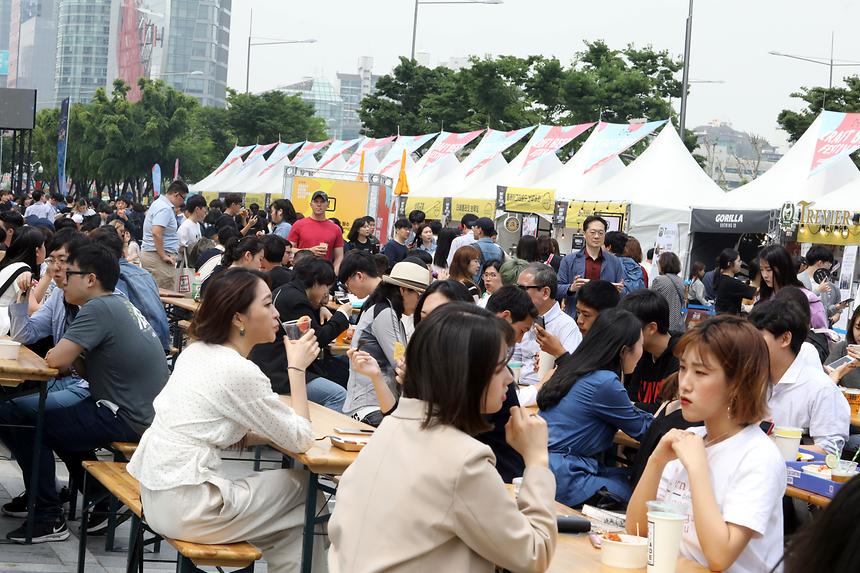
476 366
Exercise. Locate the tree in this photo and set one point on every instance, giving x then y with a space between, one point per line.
272 116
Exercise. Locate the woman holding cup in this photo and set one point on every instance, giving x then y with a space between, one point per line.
729 473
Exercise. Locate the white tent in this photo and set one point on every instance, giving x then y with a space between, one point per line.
241 179
570 183
231 164
268 178
789 181
846 198
333 159
661 186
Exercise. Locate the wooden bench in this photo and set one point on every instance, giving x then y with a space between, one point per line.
124 449
114 477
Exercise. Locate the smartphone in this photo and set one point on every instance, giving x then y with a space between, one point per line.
841 362
341 299
846 302
354 431
541 322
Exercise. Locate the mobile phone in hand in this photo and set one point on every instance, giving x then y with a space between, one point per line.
540 321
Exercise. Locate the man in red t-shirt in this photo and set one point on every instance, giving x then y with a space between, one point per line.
317 234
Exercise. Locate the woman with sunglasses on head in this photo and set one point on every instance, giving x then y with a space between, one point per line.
463 518
585 404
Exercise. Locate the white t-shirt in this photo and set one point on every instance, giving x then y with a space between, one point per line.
748 476
461 241
188 233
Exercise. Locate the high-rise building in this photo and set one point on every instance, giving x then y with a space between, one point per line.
733 158
5 22
327 103
352 89
196 48
140 42
86 48
32 44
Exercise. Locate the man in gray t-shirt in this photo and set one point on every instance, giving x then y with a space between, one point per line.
126 368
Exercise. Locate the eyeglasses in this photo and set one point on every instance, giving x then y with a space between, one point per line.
527 287
490 275
82 273
58 261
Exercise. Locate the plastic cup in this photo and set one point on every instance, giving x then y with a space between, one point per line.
547 363
664 540
844 471
518 483
853 397
295 329
516 369
787 439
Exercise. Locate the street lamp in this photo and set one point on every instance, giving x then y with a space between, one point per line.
415 18
829 62
267 42
685 79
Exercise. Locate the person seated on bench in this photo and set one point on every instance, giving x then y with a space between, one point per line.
51 319
123 384
214 397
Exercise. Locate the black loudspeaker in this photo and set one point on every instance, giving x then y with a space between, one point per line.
17 108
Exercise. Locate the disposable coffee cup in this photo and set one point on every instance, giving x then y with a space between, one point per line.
518 483
787 439
295 329
547 363
516 369
664 540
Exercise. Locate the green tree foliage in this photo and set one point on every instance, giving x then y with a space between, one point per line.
818 99
509 92
113 142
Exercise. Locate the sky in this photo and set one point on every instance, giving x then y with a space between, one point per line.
730 43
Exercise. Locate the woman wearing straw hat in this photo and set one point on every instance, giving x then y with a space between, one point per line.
380 333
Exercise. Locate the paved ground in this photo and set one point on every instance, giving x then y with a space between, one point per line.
63 556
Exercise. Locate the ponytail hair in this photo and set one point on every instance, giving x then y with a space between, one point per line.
235 248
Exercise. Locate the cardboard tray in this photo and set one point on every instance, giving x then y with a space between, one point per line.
802 480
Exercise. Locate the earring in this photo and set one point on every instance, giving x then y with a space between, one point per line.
241 331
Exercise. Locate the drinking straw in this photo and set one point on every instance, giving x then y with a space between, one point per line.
854 459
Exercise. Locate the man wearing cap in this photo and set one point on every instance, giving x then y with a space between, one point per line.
466 238
483 230
317 234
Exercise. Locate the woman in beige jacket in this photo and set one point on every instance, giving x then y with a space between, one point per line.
424 495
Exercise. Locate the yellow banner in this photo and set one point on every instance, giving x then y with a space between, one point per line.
524 200
432 206
843 236
614 213
210 196
347 199
479 207
258 198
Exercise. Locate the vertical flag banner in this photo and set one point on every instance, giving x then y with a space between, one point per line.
156 180
839 136
448 144
176 169
491 145
62 142
335 150
308 150
408 143
614 138
550 138
361 167
402 185
369 145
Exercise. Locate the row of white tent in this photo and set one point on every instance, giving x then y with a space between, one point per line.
662 185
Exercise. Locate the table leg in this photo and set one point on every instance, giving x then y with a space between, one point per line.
37 447
310 523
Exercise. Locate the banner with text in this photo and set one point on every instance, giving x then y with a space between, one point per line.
368 146
550 138
347 199
448 144
614 213
337 148
491 145
479 207
525 200
839 135
392 160
432 206
308 150
62 142
613 138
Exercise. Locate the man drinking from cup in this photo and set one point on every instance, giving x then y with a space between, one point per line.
317 234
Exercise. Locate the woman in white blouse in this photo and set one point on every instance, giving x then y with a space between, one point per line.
215 399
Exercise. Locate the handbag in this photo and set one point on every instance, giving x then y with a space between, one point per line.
184 275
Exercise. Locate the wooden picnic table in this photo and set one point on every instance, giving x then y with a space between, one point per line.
13 373
188 304
170 293
321 458
574 551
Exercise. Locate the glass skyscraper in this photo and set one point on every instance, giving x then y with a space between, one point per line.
84 46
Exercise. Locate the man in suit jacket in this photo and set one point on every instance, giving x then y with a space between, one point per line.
592 262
